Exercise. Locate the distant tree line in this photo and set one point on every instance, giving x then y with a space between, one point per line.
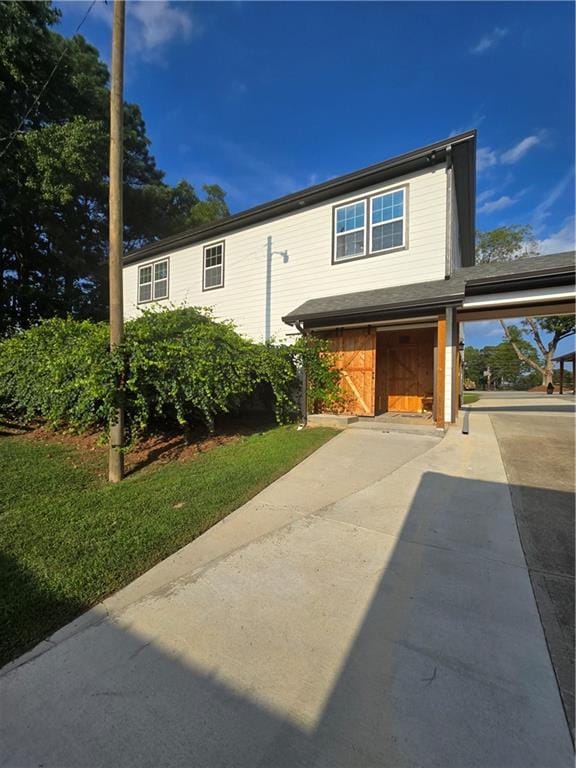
54 174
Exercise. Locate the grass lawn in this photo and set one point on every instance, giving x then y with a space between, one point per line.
67 539
470 397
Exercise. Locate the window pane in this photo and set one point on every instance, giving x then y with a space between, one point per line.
348 246
386 207
213 255
213 277
161 289
145 275
161 270
350 217
145 292
213 259
388 236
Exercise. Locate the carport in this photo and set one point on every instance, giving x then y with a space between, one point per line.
569 357
399 347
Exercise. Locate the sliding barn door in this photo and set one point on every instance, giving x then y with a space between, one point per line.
355 352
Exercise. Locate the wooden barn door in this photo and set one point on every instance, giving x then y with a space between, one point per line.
355 352
402 368
405 370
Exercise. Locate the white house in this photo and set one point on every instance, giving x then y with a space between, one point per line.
379 261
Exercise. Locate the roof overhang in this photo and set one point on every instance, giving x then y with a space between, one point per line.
541 278
474 292
461 150
375 314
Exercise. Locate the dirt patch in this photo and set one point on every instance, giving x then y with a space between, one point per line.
153 450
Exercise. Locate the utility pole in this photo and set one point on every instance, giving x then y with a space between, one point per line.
115 218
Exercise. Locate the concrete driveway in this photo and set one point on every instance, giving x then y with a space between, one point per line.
371 608
535 434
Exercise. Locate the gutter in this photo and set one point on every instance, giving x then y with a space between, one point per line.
449 213
304 398
371 312
540 279
430 154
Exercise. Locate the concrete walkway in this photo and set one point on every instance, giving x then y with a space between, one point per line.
370 608
537 448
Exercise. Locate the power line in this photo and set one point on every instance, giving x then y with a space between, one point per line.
10 139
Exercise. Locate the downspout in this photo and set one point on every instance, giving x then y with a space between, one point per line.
304 397
449 182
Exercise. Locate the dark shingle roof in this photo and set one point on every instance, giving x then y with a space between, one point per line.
462 148
435 293
528 265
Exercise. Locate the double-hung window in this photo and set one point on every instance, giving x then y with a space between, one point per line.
153 281
350 231
213 276
368 227
387 221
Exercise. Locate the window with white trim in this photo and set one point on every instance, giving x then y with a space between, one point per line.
350 231
213 266
153 281
387 221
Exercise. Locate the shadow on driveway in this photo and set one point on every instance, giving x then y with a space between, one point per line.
446 666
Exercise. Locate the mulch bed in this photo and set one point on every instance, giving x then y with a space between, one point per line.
154 449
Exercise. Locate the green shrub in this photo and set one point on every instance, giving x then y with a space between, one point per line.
57 371
175 366
313 355
182 366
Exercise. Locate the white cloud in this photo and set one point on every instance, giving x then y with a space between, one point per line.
488 193
542 211
489 40
563 240
497 205
518 151
477 118
485 158
151 25
158 22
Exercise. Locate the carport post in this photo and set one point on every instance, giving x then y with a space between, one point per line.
561 377
440 382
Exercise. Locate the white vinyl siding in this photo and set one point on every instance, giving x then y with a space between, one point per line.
153 281
213 275
273 267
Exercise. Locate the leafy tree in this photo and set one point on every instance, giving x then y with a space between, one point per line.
54 173
508 244
475 363
505 369
559 327
505 244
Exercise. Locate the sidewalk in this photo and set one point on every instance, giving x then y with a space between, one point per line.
370 608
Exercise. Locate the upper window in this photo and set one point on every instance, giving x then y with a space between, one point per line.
350 231
153 281
358 234
213 266
387 221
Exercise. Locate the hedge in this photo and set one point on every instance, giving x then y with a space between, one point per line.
176 366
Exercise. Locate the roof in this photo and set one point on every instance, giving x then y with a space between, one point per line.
460 150
563 358
538 271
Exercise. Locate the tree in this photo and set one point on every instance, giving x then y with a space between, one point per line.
560 327
508 244
506 370
54 175
505 244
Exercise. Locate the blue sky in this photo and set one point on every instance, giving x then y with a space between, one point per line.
267 98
